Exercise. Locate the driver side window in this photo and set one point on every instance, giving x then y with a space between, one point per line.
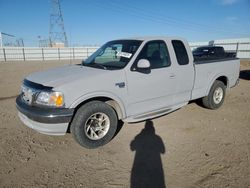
156 53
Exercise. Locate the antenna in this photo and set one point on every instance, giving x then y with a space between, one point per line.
57 34
70 46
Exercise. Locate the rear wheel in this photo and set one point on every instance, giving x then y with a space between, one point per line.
216 96
94 124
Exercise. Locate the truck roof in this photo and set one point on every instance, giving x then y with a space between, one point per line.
148 38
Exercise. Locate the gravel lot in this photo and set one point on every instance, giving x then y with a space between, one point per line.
192 147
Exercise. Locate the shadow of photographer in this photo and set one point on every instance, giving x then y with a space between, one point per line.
147 170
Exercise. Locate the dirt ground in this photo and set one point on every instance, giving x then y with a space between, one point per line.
192 147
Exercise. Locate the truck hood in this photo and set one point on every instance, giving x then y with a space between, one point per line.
62 75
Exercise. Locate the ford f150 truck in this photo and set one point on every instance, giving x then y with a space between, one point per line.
129 80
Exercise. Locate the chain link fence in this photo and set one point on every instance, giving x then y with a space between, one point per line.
43 54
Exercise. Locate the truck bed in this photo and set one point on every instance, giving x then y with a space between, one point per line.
206 71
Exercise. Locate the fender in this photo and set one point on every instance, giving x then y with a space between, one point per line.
215 78
91 95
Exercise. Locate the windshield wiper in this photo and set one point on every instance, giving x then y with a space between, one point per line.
95 65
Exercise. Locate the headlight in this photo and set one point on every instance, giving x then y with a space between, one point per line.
55 99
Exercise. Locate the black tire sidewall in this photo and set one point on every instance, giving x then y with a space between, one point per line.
82 115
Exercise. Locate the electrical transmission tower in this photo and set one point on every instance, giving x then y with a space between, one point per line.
57 34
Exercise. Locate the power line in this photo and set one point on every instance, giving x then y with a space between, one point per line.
174 20
147 16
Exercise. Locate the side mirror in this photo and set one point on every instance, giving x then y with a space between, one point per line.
143 64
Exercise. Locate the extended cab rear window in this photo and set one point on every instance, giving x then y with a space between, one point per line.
180 52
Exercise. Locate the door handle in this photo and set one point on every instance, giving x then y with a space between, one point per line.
120 84
172 76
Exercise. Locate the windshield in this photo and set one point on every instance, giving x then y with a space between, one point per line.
113 55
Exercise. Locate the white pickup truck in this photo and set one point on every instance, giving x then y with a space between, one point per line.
129 80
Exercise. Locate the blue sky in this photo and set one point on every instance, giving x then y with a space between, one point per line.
97 21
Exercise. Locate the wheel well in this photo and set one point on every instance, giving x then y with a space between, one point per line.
223 79
108 101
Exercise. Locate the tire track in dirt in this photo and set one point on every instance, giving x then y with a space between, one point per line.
7 98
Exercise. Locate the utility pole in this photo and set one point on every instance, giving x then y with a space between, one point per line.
57 32
1 40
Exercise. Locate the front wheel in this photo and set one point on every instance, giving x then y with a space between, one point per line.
94 124
216 96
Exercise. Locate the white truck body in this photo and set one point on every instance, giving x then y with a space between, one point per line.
135 95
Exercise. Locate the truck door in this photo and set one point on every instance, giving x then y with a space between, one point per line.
184 74
152 89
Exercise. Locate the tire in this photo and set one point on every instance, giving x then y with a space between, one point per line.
216 96
87 123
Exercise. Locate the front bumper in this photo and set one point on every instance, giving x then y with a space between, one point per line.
52 121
